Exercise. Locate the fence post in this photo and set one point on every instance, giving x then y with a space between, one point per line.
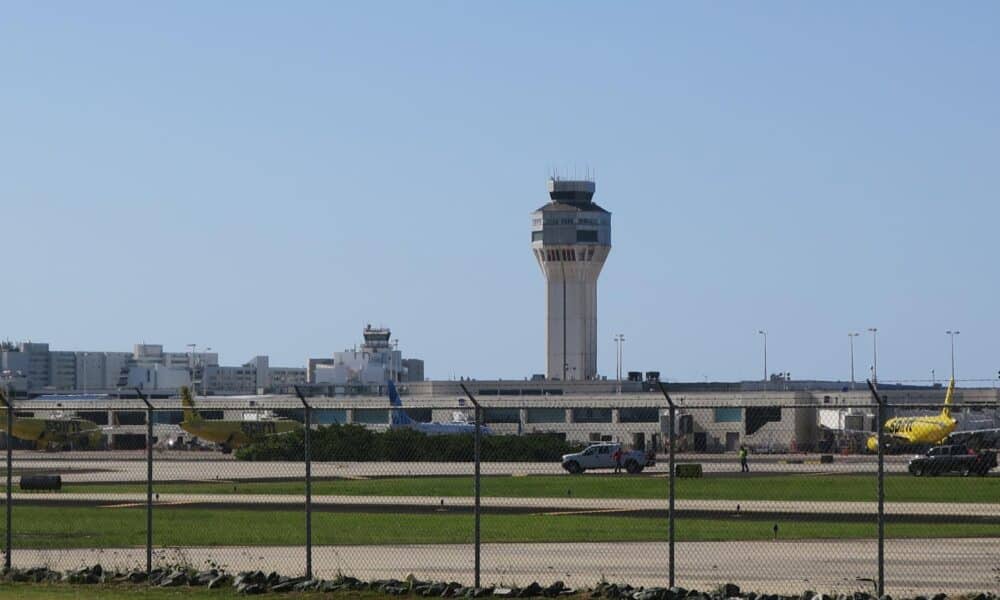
149 483
10 479
475 457
672 410
308 459
879 418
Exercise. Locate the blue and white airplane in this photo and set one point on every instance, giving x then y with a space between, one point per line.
459 425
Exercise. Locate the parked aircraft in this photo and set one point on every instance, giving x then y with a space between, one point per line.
59 430
459 424
229 434
901 433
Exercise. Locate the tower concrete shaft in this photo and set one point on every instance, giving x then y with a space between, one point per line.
571 238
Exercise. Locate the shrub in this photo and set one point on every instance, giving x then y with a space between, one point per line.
357 443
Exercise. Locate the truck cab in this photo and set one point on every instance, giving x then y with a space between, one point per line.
952 459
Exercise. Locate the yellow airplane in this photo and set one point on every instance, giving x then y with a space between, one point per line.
904 432
229 434
51 431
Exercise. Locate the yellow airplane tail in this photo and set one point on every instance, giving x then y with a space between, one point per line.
190 414
3 411
946 410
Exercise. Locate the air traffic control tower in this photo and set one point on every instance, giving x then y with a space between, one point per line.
571 238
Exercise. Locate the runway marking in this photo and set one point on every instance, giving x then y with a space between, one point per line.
585 512
142 504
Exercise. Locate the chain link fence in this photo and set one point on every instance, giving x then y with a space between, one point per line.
761 495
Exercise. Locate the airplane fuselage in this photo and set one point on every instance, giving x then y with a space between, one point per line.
233 434
914 431
45 431
445 428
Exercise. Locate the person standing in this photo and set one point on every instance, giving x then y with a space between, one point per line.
744 468
617 456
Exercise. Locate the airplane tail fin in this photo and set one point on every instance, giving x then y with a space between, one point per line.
190 414
946 410
399 416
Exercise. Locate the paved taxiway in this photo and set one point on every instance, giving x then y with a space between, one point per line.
548 505
131 466
955 565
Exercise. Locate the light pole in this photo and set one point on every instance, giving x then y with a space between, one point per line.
764 333
952 334
203 371
851 336
620 339
874 331
193 347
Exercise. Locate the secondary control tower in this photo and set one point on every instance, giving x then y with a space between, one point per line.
571 238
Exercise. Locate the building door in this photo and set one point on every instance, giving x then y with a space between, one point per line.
700 441
732 441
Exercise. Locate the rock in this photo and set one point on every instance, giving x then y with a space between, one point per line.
304 585
434 589
219 581
653 593
554 589
250 589
481 592
203 577
174 579
505 592
822 597
273 578
678 591
136 577
283 586
250 577
533 589
939 597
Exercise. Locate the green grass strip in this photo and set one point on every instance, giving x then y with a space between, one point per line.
52 527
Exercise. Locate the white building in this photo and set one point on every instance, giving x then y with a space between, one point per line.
375 362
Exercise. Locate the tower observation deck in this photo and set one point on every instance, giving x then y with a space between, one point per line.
571 238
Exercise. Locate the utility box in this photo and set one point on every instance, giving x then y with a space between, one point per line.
688 470
41 482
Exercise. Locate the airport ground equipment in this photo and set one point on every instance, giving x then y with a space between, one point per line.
41 482
953 459
601 456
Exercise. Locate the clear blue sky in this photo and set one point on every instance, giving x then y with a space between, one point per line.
266 177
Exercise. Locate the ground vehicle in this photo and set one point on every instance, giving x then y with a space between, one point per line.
602 456
953 459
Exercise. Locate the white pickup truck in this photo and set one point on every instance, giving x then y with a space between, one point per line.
602 456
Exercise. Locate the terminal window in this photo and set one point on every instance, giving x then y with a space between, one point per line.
592 415
502 415
583 235
639 414
733 414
